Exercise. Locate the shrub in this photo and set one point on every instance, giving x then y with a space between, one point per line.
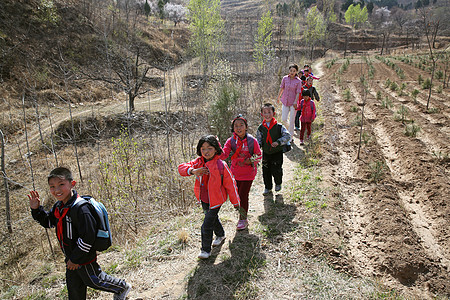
426 84
223 93
377 171
420 79
387 83
412 130
366 138
347 95
354 109
401 114
393 87
439 74
386 103
414 93
439 89
379 95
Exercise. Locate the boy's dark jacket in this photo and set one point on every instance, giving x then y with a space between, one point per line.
77 238
275 133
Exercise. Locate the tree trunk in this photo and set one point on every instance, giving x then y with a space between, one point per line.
5 182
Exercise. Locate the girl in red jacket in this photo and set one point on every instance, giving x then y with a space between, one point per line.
213 184
246 155
308 114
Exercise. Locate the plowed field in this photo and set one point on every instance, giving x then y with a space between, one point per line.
396 194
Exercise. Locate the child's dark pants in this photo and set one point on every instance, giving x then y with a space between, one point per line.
91 275
272 167
243 190
211 224
297 118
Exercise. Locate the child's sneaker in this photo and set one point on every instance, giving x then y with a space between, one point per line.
301 142
123 295
242 224
218 241
277 187
266 192
204 255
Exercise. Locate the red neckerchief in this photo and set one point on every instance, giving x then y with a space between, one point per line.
59 228
239 146
272 123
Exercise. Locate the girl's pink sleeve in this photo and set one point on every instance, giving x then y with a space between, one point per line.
230 186
184 168
283 83
226 150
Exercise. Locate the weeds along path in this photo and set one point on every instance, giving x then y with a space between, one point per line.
157 101
397 229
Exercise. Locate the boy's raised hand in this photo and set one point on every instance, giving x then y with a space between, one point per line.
34 199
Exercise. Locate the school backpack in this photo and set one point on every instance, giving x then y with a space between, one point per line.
311 102
98 210
250 143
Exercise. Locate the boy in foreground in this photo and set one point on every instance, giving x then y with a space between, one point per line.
75 239
271 137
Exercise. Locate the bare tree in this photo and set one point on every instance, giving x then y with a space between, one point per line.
430 28
5 183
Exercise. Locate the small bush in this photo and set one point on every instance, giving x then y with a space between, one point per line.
365 138
354 109
439 89
426 84
393 87
414 93
439 74
386 103
433 110
387 83
379 95
356 121
412 130
347 95
377 171
401 114
420 79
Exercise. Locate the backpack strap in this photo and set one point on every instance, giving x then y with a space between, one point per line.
250 143
80 201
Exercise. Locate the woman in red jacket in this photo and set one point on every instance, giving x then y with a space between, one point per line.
213 184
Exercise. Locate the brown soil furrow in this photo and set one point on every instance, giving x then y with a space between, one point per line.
434 127
345 171
422 224
376 223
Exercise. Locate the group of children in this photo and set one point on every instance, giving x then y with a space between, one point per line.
215 183
297 95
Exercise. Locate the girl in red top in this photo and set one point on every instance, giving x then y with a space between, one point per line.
308 114
213 184
246 155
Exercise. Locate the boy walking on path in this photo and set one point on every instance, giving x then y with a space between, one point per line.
76 230
271 136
